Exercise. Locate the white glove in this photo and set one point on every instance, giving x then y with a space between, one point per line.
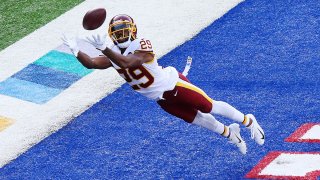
71 43
98 41
187 67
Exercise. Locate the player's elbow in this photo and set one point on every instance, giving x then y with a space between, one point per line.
89 65
129 62
124 65
133 63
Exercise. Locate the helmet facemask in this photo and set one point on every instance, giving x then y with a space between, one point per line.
122 33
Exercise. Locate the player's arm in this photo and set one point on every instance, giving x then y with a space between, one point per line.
131 60
101 62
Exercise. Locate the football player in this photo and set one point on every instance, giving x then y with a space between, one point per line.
134 60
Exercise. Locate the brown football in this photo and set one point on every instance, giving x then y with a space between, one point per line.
93 19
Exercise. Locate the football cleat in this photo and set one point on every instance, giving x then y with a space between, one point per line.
257 132
235 138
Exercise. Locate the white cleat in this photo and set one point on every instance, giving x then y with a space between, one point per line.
235 138
257 132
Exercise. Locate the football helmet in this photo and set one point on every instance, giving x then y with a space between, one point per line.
122 30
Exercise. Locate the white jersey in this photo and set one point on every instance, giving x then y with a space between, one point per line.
149 79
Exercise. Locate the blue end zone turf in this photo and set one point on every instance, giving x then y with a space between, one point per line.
46 76
27 91
262 57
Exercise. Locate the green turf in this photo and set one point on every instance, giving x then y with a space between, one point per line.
19 18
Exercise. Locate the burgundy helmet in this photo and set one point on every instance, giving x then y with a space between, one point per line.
122 30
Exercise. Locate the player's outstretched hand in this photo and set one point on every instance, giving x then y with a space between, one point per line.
98 41
71 43
187 67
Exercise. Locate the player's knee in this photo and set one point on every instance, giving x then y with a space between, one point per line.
206 120
188 120
190 116
219 106
205 107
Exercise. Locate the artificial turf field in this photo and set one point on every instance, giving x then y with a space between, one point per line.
262 57
19 18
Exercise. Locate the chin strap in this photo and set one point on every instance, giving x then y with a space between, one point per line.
124 44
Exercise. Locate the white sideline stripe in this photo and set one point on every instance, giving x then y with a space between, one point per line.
178 20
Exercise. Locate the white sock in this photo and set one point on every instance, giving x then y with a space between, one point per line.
208 121
226 110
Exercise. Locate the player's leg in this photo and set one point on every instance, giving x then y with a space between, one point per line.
232 132
179 110
192 96
194 116
228 111
189 95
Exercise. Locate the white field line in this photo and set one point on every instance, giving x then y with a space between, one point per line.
166 23
313 133
292 165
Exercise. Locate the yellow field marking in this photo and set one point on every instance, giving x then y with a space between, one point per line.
5 122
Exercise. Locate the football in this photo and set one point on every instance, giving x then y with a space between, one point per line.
93 19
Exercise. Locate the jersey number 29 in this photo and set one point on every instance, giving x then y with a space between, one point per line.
137 73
